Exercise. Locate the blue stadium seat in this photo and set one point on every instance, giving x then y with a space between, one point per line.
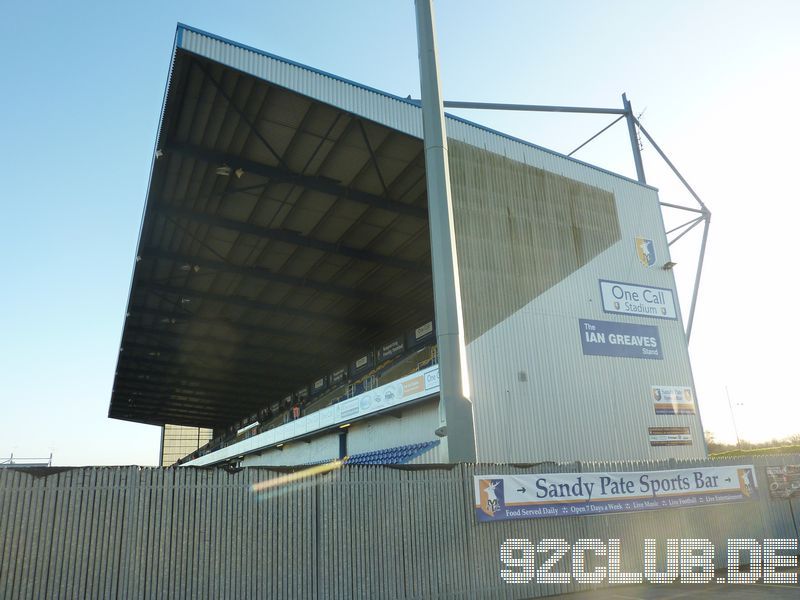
392 456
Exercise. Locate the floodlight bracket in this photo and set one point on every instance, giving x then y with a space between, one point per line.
634 128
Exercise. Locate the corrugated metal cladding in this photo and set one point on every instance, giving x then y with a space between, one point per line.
532 247
179 440
381 107
362 532
370 104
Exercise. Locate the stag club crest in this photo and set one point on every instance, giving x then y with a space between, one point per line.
645 251
747 482
491 495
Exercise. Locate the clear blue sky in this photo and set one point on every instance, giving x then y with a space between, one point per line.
82 85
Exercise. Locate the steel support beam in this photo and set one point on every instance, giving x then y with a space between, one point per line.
322 185
637 153
691 226
137 399
686 208
532 107
161 385
272 277
699 272
254 130
146 416
146 366
157 350
682 225
374 158
200 403
243 302
671 166
151 407
455 409
221 342
133 375
281 385
289 237
596 135
706 218
133 385
184 318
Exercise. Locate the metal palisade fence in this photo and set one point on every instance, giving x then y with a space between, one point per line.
356 532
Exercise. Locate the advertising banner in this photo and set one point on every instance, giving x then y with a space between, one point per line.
609 338
672 399
505 497
361 364
319 386
784 482
390 349
405 389
338 376
669 436
421 334
642 301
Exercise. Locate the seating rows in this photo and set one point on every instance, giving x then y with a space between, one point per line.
392 456
353 389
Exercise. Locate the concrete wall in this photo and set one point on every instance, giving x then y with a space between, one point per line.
416 424
361 532
324 447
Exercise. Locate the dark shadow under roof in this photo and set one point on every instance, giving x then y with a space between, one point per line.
282 237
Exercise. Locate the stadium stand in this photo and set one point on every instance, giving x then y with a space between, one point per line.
406 357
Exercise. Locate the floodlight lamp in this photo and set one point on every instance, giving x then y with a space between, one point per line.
668 265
